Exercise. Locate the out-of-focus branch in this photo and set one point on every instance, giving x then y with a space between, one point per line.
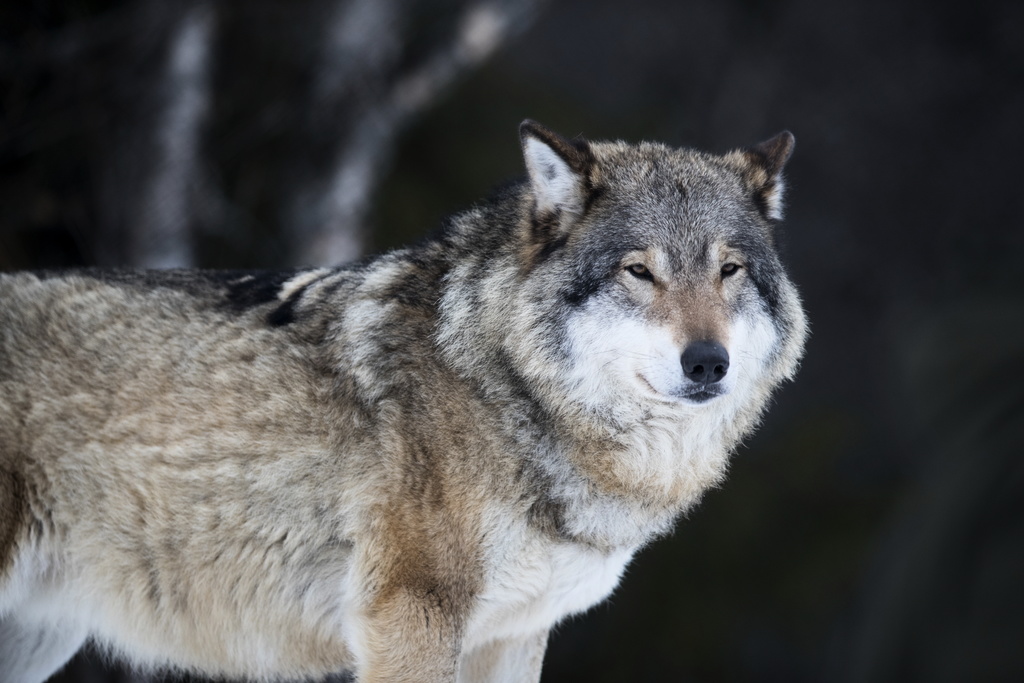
328 218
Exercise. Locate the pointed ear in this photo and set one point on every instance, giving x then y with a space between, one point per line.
559 171
762 168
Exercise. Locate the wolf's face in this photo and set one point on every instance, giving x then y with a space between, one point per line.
668 279
659 331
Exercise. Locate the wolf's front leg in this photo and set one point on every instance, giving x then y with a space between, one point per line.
411 636
505 661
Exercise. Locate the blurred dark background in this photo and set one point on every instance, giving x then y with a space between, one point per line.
873 530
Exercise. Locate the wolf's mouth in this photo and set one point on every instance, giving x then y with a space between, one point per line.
696 394
701 394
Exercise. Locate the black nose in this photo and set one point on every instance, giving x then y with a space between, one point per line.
705 362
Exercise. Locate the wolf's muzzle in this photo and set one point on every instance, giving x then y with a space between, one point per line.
705 362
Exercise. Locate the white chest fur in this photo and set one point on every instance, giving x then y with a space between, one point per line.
541 585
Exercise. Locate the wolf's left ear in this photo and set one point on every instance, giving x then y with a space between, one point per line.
762 169
559 170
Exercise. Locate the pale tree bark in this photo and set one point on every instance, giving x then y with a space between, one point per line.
328 215
161 234
360 44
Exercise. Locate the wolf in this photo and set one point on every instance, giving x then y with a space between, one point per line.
410 468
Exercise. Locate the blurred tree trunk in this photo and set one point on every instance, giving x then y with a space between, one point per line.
162 220
364 96
224 133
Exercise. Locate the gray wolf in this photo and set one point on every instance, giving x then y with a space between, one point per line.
410 468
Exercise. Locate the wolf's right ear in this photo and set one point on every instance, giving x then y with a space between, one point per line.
559 171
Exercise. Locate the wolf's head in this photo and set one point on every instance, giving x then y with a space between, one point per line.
643 278
664 261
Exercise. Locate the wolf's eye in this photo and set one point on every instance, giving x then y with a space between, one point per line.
729 269
640 270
